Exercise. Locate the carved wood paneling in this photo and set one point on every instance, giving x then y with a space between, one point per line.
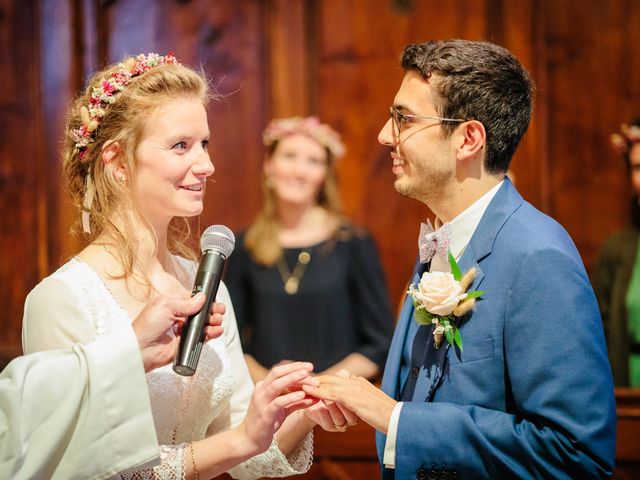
22 228
593 73
62 76
289 42
519 28
627 445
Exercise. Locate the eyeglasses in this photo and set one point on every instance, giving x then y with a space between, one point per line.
400 118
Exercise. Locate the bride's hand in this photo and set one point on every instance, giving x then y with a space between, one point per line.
269 406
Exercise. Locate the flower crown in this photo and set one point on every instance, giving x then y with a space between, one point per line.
623 141
309 126
106 93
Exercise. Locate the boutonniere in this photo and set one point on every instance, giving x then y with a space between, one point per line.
441 298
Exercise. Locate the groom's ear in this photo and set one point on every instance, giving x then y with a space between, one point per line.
471 139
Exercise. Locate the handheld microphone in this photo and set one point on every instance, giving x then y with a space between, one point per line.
216 243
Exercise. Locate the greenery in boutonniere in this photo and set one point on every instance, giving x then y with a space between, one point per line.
441 298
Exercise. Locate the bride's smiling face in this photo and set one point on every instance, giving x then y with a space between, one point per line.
173 163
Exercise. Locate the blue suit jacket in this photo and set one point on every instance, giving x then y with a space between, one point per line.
531 395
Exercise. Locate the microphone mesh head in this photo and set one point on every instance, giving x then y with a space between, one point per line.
219 238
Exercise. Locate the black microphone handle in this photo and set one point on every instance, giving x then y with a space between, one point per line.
192 337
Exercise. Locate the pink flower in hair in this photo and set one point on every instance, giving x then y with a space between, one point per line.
623 141
106 93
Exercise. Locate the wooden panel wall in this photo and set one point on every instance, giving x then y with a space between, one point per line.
357 55
22 224
336 58
593 85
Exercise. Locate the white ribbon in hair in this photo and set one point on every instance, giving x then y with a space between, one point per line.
86 204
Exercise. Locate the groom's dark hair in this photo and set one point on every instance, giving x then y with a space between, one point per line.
477 81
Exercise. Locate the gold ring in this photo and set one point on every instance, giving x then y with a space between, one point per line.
341 428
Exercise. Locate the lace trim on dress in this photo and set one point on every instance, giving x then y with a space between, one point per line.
173 465
105 311
302 457
273 463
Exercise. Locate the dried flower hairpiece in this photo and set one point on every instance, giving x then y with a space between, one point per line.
106 92
628 135
310 126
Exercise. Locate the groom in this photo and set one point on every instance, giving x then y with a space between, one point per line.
529 394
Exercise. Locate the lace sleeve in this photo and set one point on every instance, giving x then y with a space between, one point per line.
273 463
172 465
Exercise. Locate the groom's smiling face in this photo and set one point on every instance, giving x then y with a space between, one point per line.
423 159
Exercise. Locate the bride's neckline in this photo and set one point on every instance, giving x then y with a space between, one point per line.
99 277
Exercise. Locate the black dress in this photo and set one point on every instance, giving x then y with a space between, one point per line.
342 305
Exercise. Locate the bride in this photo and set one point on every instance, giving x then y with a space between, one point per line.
136 164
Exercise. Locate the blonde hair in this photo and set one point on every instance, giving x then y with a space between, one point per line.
124 122
261 239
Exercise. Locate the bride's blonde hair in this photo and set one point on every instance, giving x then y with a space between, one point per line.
119 110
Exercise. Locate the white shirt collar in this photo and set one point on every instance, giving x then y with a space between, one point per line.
464 225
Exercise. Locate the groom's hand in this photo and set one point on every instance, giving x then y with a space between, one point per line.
331 416
359 396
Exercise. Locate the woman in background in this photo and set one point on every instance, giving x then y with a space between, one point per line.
617 274
306 283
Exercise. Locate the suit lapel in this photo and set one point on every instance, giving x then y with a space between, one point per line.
391 378
504 203
469 260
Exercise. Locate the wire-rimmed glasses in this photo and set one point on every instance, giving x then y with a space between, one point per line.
400 118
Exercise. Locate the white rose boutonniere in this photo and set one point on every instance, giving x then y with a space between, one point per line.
441 297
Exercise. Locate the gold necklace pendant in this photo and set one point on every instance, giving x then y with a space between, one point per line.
304 257
291 285
291 280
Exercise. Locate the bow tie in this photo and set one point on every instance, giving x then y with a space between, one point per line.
432 241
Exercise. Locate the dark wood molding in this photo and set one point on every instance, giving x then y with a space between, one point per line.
288 58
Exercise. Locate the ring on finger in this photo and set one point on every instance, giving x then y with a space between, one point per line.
341 428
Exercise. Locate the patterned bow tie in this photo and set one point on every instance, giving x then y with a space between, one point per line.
432 241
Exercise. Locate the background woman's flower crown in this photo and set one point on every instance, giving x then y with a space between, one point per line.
624 140
310 126
107 91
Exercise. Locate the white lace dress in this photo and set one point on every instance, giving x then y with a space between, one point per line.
73 305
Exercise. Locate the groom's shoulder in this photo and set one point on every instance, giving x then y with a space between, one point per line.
529 229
